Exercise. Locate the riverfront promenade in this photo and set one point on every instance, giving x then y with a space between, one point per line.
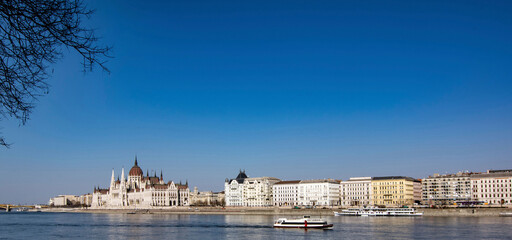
448 212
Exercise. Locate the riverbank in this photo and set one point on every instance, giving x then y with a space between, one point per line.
449 212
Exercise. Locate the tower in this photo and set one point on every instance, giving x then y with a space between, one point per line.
123 180
112 181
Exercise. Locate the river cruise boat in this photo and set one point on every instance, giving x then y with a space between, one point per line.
385 212
506 214
306 222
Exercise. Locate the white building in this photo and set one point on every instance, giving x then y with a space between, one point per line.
257 192
323 192
446 189
206 198
64 200
249 192
493 187
357 191
286 193
233 190
139 191
86 199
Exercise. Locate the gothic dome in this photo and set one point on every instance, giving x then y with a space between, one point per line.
135 171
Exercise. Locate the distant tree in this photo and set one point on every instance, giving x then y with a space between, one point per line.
33 34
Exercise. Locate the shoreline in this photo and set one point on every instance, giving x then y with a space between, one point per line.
427 212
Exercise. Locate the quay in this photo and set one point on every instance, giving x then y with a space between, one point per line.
428 212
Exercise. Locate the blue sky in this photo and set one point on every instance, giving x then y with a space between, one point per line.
289 89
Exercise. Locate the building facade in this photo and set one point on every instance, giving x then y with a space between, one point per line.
446 189
395 191
356 191
323 192
86 200
286 193
206 198
257 192
233 190
64 200
493 187
139 191
249 192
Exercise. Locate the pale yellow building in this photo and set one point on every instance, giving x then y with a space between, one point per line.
395 191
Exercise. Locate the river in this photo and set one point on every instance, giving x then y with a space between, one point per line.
31 225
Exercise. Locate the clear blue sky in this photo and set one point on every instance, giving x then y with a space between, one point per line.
293 89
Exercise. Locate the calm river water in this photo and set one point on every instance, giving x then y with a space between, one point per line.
25 225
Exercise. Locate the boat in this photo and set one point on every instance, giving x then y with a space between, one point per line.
376 212
21 209
305 222
506 214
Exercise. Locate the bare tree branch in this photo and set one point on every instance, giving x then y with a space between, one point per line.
33 34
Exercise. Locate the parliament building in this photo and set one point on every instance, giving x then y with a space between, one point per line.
140 192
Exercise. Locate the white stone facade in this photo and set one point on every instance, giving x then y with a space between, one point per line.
206 198
64 200
249 192
139 191
319 192
286 193
324 192
493 187
356 191
233 190
257 192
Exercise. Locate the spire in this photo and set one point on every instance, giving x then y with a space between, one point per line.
136 160
112 180
122 175
186 183
161 175
123 181
147 173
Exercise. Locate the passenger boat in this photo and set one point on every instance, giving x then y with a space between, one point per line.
506 214
305 222
374 211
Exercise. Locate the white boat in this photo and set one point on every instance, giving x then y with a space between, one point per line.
305 222
375 212
506 214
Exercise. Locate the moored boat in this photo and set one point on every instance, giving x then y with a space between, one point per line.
376 212
506 214
305 222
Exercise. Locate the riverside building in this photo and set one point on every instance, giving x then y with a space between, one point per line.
446 189
139 191
249 192
323 192
233 190
357 191
395 191
257 192
206 198
493 187
286 193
